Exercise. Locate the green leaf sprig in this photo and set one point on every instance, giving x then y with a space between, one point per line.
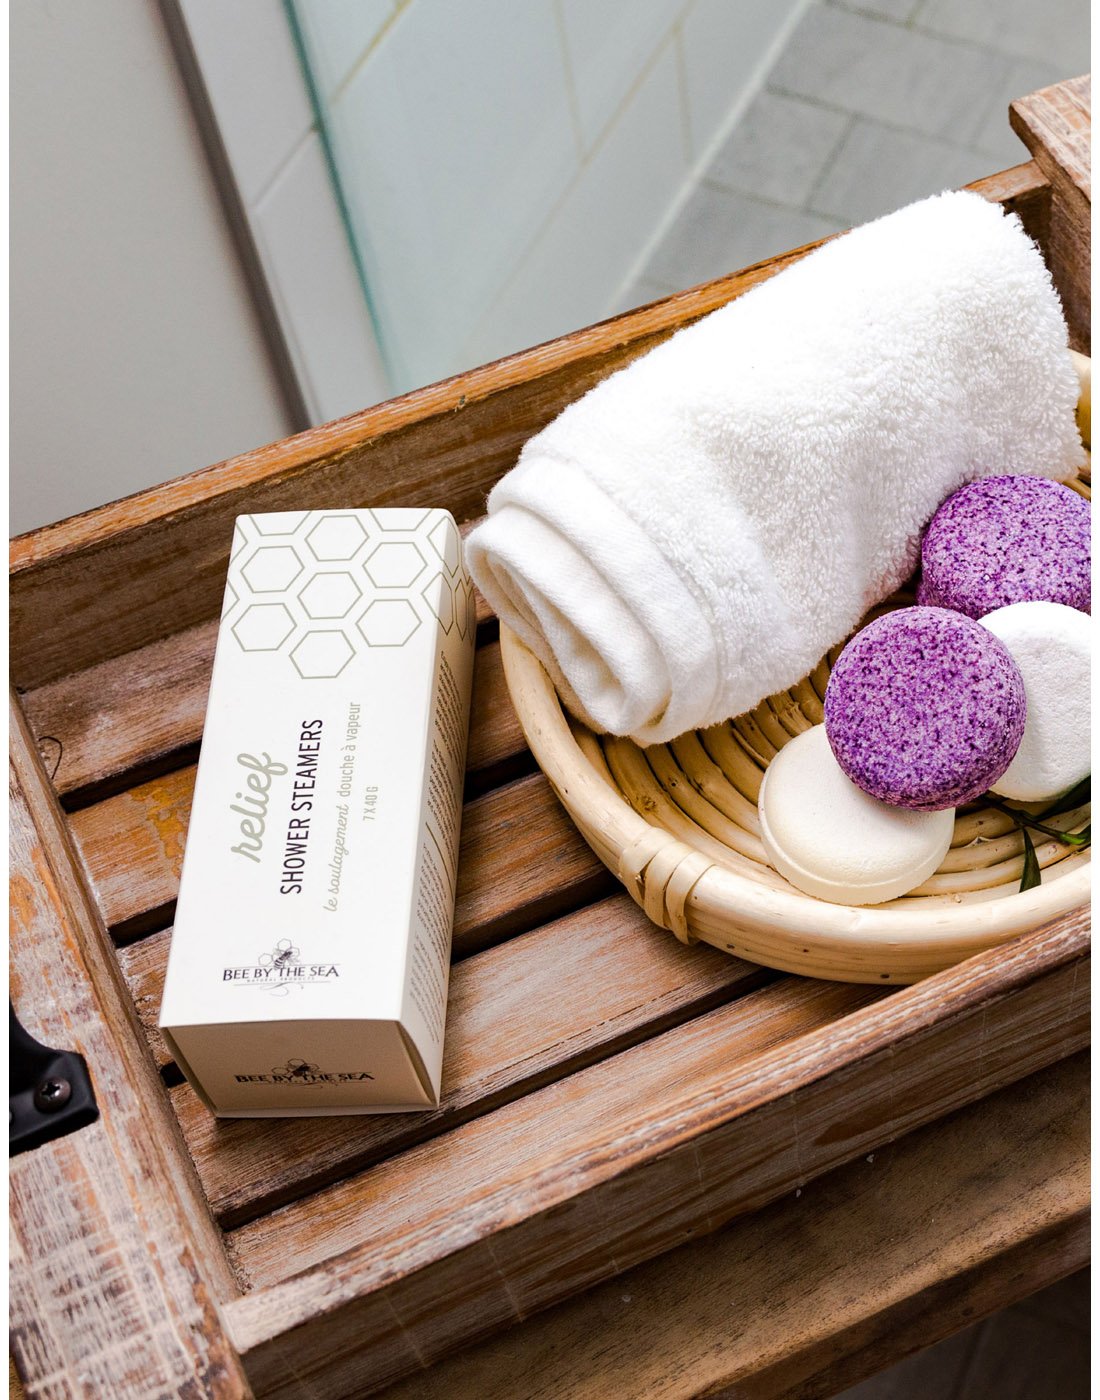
1026 823
1032 873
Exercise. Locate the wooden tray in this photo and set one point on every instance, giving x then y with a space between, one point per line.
608 1093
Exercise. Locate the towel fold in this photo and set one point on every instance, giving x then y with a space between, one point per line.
697 530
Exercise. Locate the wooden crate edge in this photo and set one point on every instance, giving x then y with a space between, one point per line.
686 1183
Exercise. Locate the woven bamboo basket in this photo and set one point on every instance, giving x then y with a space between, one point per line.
678 824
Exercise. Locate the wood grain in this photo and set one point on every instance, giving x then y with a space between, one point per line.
628 1158
589 1122
126 718
143 965
140 715
117 1272
521 860
863 1267
509 1031
497 747
131 847
1056 126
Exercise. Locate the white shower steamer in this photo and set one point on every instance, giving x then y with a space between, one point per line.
832 840
1052 646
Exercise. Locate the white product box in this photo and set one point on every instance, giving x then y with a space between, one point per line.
311 948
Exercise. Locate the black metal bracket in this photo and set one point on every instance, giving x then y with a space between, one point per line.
49 1091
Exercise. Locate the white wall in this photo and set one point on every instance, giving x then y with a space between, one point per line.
136 352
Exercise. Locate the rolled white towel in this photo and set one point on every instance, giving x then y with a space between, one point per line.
696 531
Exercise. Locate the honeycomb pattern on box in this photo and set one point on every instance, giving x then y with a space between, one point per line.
321 586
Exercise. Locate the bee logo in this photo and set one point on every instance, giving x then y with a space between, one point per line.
284 954
297 1069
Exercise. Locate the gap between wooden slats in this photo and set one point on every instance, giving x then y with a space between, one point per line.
509 1031
951 1222
521 859
824 1070
140 715
608 1102
622 1161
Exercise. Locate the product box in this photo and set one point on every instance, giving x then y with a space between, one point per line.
311 948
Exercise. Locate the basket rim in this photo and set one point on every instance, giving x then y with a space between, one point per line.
781 928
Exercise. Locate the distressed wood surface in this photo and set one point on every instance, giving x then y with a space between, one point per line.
509 1031
131 573
547 1141
865 1266
141 714
521 860
625 1160
1055 124
126 718
497 749
143 965
117 1274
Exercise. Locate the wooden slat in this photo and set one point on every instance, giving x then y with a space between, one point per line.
143 965
595 1118
496 744
127 715
117 1275
132 849
131 573
628 1158
117 723
509 1031
1022 190
1056 126
865 1266
521 860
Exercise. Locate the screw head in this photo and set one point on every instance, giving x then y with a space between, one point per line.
52 1094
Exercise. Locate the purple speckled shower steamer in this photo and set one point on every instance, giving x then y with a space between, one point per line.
1007 539
922 712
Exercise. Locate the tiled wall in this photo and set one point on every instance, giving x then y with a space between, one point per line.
871 105
508 167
